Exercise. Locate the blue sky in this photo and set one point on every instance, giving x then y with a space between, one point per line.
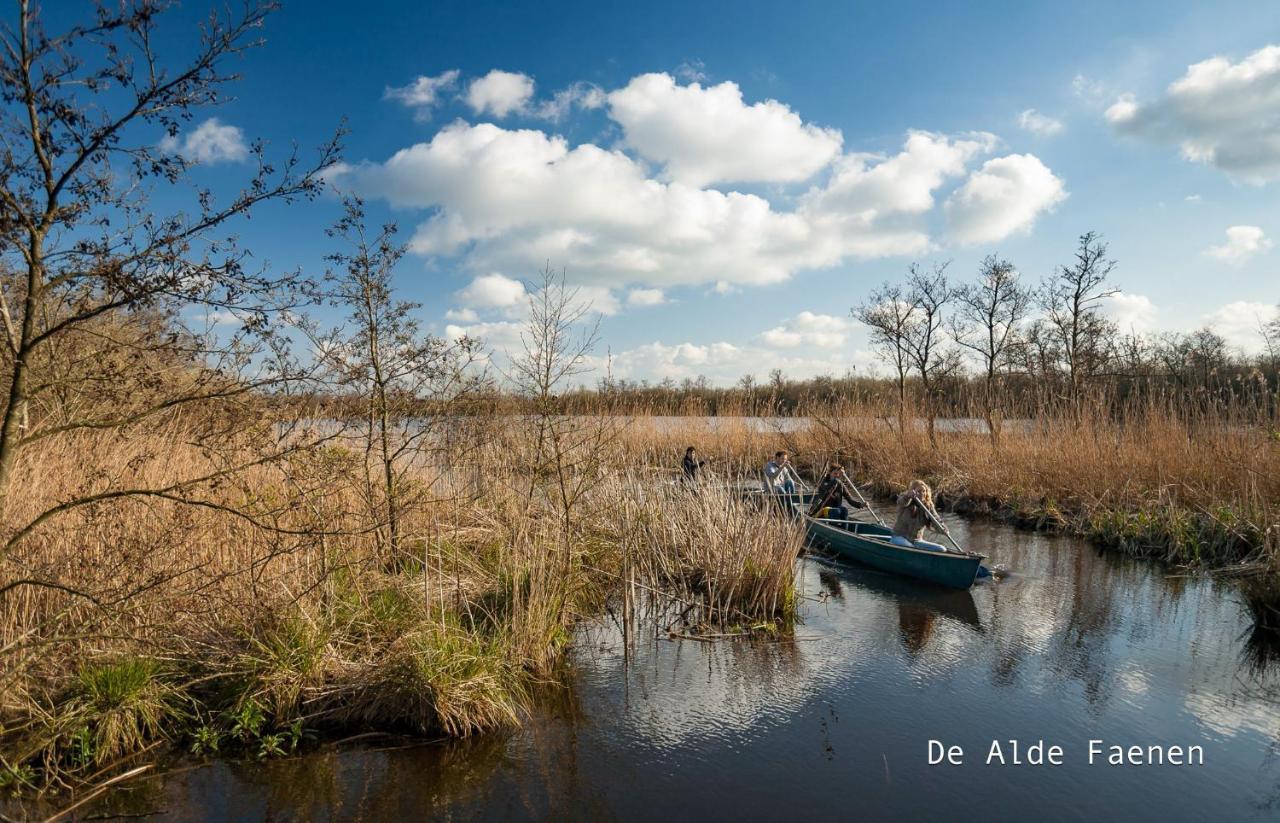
723 233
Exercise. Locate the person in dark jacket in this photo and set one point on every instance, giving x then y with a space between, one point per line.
831 496
692 465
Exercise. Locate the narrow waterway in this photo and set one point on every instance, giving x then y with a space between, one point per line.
1072 646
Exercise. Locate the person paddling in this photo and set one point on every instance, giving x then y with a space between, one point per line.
777 474
915 512
831 496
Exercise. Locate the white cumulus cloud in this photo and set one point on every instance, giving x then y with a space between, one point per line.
510 200
1243 244
1221 113
211 142
723 363
1132 313
646 297
500 93
866 186
597 299
507 200
1002 198
808 329
463 315
1039 124
502 336
493 291
1089 89
703 135
424 93
1240 323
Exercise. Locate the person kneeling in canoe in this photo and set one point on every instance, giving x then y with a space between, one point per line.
830 498
915 512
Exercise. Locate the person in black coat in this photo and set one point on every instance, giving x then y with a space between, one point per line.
692 464
831 495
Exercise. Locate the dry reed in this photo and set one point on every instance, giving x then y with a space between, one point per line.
269 610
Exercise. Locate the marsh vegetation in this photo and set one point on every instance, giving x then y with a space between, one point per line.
241 509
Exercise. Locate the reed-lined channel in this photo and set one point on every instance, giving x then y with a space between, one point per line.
1073 645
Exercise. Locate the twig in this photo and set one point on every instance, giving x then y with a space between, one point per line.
97 792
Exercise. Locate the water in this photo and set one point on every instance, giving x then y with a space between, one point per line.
1074 645
792 425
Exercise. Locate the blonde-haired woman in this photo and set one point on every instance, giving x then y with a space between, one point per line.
915 505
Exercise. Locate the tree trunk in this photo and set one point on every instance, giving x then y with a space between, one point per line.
14 426
993 423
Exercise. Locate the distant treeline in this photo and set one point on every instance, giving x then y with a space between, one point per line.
1203 379
994 347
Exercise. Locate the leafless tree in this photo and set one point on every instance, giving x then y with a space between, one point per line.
1135 355
409 382
747 385
1072 300
1270 332
891 315
927 349
777 382
988 322
1193 360
87 250
556 343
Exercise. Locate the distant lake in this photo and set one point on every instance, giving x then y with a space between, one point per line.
973 425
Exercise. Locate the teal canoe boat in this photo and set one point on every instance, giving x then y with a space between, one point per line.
869 544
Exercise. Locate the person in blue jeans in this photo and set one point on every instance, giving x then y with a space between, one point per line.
777 474
915 513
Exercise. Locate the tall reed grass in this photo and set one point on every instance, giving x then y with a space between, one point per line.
1151 480
263 609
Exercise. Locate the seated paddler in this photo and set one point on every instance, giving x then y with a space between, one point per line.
777 474
915 513
831 500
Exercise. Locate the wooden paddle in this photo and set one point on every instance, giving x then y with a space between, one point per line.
858 492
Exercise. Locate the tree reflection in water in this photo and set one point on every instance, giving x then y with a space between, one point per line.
1071 644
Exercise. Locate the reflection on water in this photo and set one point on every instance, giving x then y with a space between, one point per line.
836 720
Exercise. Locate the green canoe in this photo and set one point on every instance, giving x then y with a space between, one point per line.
868 543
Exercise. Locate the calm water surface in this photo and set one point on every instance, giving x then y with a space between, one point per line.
835 723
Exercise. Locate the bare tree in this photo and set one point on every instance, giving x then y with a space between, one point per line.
930 292
409 382
1270 332
1072 299
1135 355
747 385
988 322
86 250
891 315
567 449
1193 360
777 382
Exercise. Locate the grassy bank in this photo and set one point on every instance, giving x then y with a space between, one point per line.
266 607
